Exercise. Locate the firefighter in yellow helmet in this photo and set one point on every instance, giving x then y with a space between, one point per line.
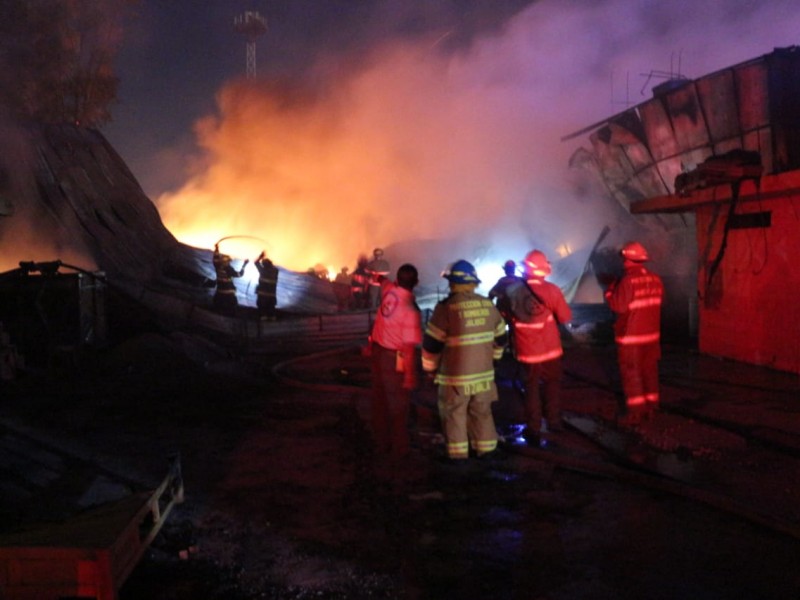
225 294
538 307
636 299
463 338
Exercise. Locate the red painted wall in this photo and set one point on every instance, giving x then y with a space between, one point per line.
751 309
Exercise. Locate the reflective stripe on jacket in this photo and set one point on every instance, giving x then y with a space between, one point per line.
463 338
536 319
636 299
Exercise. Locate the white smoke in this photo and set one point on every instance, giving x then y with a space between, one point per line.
415 141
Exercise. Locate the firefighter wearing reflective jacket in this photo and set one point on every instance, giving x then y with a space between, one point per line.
225 294
267 288
538 307
636 299
463 338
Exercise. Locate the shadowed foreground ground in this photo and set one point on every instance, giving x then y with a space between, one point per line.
285 499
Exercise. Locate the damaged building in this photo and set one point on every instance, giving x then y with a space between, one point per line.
722 152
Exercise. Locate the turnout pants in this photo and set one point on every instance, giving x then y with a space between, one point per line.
467 421
543 394
638 367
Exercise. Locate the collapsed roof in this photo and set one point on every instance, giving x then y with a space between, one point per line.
641 152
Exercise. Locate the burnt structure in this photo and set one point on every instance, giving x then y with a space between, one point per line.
722 151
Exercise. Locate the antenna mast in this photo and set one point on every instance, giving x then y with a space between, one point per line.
252 25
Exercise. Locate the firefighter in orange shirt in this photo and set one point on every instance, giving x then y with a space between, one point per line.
395 336
636 299
463 338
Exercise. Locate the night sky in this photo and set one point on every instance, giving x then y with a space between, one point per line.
179 53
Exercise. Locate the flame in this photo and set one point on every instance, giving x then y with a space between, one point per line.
388 154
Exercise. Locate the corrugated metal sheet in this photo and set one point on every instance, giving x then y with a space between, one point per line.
752 106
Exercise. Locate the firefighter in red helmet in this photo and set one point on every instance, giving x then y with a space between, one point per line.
538 307
463 338
636 299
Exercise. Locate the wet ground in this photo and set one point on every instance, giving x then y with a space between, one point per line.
285 499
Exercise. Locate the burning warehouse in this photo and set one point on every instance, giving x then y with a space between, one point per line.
722 151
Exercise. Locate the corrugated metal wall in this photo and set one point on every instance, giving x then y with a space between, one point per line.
751 106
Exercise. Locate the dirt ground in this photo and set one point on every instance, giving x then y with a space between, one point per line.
285 498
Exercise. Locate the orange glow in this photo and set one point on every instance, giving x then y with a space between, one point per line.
564 250
25 242
390 154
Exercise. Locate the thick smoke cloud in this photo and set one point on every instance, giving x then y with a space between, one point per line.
422 141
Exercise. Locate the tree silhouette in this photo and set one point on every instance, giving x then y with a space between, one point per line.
56 59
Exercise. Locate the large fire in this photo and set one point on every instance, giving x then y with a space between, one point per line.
413 147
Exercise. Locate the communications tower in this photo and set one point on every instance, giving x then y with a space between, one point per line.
252 25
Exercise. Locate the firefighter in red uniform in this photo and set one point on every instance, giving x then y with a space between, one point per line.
225 295
463 338
538 308
636 299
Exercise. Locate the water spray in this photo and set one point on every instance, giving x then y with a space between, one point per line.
247 237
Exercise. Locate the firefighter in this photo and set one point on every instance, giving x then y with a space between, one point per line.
463 338
267 288
636 299
359 283
394 340
225 294
377 269
499 295
538 308
498 292
342 289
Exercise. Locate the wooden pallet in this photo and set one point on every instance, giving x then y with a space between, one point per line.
90 555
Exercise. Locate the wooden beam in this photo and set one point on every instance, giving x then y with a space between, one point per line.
771 187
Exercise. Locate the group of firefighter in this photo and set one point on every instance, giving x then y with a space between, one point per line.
358 290
225 295
361 288
468 332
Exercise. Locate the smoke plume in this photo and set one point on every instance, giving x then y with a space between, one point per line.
420 141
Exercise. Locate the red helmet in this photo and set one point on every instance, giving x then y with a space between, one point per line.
536 263
634 252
